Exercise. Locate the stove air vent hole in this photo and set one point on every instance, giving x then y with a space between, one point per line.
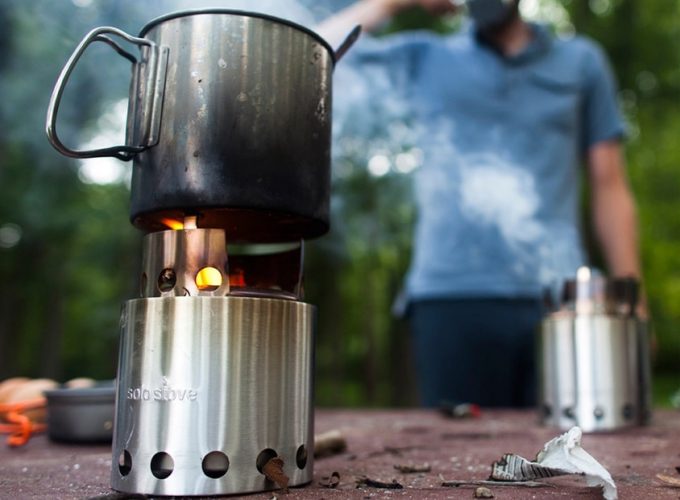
264 457
628 411
162 465
124 463
547 410
598 413
301 457
215 464
167 280
208 279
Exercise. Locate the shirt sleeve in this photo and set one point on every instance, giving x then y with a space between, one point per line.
602 115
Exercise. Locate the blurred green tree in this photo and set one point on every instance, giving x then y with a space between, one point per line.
67 254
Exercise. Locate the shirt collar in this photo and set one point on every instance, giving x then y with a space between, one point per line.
539 44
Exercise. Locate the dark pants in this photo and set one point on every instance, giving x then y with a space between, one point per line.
476 350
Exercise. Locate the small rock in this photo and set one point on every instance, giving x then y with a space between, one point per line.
483 492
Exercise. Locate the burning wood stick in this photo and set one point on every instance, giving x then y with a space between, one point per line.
273 469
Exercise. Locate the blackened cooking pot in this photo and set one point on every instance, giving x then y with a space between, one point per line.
229 118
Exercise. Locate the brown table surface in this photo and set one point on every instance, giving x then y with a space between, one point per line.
380 439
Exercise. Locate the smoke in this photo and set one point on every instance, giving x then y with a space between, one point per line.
496 192
496 196
373 125
493 203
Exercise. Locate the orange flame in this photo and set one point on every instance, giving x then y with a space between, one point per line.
189 222
173 224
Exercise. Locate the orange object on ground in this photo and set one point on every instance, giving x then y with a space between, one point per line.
20 427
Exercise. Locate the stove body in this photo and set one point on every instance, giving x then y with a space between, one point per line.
229 129
210 385
594 352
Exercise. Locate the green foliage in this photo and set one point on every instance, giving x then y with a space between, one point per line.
361 346
61 282
417 18
76 257
641 40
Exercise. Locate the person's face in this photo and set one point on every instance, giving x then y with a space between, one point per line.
490 15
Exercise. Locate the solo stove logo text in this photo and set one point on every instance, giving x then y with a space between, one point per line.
163 393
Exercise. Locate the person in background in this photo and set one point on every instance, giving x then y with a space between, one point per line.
507 114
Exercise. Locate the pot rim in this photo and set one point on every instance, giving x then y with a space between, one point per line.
235 12
83 395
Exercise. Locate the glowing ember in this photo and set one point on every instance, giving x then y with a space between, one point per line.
237 278
208 279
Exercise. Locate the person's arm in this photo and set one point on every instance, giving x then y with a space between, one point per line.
614 212
371 15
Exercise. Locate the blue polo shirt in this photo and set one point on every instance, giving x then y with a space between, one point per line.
502 139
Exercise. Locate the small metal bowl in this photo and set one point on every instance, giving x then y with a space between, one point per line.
82 415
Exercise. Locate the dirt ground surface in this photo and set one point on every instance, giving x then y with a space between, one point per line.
379 441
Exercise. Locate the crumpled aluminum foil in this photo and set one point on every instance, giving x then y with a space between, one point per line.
560 456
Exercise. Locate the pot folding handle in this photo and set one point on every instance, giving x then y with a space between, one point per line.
151 69
349 40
